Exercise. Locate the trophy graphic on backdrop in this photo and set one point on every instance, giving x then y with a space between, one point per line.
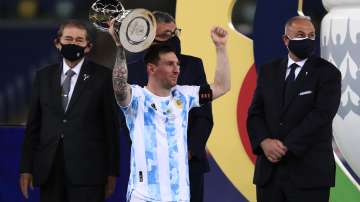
135 28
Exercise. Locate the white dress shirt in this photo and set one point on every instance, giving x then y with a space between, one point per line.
298 69
74 78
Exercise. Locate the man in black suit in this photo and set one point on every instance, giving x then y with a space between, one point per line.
71 142
290 121
200 119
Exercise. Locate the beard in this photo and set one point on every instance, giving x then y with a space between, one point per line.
168 84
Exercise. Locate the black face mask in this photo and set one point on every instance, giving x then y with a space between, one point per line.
303 48
173 42
72 52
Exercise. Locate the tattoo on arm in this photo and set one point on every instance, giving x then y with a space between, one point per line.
120 75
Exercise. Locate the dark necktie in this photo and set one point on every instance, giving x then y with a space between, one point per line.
66 88
289 81
291 76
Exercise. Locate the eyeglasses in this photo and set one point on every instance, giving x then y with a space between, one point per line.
169 34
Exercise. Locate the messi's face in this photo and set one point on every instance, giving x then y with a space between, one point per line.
167 70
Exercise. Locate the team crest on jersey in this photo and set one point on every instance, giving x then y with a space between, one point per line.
178 104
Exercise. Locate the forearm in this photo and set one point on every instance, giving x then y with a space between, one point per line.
221 83
257 131
120 75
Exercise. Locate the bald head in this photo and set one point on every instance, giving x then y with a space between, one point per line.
298 24
299 37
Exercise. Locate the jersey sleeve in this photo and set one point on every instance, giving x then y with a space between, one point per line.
134 101
192 95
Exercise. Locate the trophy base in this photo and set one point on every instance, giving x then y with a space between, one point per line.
137 30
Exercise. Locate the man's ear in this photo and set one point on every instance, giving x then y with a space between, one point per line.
150 68
88 47
57 43
285 40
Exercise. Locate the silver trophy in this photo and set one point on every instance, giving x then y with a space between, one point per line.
135 28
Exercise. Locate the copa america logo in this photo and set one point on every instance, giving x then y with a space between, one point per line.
340 44
343 53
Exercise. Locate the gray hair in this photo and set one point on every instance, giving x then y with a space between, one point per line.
163 17
290 21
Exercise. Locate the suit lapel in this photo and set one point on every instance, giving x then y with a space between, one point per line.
56 87
299 82
83 78
279 80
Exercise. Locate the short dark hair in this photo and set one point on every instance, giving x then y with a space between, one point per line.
153 53
290 21
163 17
74 23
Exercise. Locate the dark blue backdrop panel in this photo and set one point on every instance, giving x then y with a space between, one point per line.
10 144
269 22
23 49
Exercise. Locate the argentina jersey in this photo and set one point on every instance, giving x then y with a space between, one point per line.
159 155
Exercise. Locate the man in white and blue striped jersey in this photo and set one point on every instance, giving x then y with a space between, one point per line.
157 118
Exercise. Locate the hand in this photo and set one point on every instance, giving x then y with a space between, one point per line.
110 186
219 36
113 33
26 181
274 149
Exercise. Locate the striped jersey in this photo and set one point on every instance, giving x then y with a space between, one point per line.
159 155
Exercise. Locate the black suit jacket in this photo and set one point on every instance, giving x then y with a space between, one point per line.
200 119
303 123
89 128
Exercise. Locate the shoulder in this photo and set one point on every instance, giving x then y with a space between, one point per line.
99 69
274 63
326 67
271 65
137 87
192 68
47 69
189 59
185 89
322 63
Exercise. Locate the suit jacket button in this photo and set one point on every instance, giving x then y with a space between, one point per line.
281 123
62 136
64 120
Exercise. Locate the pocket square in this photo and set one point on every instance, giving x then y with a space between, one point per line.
305 93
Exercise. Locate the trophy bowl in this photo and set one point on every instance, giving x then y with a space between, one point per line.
135 28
